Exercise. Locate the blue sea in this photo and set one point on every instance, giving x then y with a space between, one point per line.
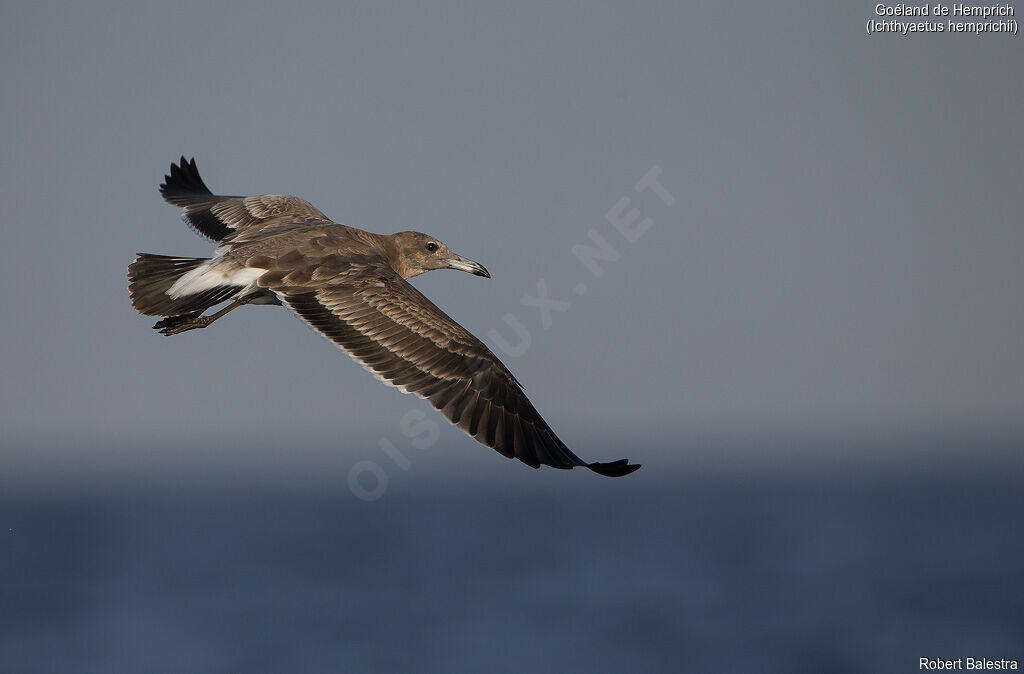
723 575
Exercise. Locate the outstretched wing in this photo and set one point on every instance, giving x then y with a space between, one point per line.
405 340
216 217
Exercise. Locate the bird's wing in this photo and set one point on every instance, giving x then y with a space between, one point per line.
406 341
217 217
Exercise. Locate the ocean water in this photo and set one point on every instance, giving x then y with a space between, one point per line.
743 575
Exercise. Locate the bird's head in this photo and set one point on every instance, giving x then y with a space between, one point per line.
414 253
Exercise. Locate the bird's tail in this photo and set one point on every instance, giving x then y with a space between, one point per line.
151 277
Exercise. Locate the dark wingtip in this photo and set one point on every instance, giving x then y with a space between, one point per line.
614 468
183 181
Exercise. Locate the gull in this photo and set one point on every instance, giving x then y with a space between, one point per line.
352 287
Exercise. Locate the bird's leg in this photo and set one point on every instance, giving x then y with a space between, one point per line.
175 324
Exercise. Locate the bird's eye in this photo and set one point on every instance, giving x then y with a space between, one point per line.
431 246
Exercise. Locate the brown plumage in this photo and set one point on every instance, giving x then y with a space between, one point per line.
351 286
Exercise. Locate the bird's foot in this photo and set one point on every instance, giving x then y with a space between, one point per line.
175 324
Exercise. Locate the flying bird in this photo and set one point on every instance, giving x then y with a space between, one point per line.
352 287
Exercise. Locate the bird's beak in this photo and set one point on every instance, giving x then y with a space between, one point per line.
462 264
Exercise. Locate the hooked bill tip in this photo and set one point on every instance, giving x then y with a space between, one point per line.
462 264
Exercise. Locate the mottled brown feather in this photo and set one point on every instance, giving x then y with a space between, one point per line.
222 218
400 335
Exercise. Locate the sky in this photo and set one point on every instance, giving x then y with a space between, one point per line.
830 260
